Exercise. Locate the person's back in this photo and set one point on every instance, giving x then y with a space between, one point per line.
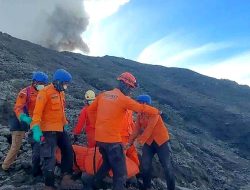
110 114
111 107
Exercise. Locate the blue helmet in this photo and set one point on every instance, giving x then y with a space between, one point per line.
40 77
62 75
144 99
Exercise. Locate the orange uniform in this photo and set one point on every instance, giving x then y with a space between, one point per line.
111 108
23 101
49 111
127 130
86 120
128 126
150 128
83 121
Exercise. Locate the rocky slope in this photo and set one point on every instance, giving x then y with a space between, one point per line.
208 118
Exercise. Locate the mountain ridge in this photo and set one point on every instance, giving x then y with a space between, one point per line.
208 118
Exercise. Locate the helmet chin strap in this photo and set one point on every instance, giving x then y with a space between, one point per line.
124 88
58 86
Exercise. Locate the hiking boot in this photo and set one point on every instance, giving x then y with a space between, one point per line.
68 183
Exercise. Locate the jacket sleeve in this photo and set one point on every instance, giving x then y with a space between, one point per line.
81 122
64 106
137 107
20 102
135 133
39 107
152 121
133 124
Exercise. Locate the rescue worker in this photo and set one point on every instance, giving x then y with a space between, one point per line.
84 120
19 124
110 107
154 137
49 125
127 129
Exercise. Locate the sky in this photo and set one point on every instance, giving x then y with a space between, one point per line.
210 37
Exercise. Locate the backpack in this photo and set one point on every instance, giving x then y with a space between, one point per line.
14 123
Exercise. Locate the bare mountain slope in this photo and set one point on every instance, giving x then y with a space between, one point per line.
208 119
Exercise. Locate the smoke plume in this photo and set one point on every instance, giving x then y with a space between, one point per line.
56 24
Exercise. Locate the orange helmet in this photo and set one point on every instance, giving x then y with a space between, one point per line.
128 79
